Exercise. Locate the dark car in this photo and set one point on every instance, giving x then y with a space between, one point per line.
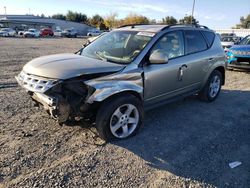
239 55
46 32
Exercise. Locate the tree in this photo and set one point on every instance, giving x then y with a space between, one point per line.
111 20
76 17
135 19
96 20
169 20
42 16
59 16
244 22
188 20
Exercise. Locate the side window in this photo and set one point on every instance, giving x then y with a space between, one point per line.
209 36
171 44
194 42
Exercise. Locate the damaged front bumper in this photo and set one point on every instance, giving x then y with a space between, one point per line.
36 86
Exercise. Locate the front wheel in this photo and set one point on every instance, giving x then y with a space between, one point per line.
212 88
119 117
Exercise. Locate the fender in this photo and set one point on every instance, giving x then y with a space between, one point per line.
114 84
221 62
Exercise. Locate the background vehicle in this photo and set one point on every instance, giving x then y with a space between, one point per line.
239 55
71 32
58 32
7 32
31 33
227 42
46 32
118 76
228 35
94 33
91 39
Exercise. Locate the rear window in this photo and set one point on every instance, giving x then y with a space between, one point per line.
209 37
194 42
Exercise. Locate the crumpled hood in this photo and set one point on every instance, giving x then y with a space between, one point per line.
65 66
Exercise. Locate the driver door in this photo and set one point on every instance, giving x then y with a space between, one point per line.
163 81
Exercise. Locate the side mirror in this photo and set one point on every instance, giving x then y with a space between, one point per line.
157 57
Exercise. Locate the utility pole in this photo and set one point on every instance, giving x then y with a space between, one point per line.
5 11
192 12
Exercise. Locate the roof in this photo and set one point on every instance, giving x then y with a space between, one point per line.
158 27
147 28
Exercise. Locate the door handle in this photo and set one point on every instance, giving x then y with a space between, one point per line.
184 66
181 71
210 59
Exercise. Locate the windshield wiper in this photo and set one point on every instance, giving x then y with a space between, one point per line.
100 56
104 58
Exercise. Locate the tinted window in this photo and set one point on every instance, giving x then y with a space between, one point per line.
171 44
245 41
209 36
194 42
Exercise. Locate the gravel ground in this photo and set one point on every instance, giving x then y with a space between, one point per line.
185 144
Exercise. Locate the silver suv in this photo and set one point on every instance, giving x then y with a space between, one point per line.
124 72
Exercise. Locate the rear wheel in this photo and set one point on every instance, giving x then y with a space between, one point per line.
119 118
212 88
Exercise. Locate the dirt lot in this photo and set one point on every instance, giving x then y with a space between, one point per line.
186 144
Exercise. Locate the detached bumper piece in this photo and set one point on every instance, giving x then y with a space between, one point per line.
57 107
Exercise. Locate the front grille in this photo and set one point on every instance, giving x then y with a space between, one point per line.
241 59
35 83
237 52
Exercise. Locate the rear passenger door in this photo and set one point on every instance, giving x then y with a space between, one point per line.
197 58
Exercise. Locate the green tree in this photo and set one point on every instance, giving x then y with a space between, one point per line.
188 20
111 20
135 19
76 17
244 22
96 21
169 20
59 16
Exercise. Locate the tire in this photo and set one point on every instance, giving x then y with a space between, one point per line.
108 123
212 88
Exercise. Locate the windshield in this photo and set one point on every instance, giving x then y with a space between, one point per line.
31 30
118 46
245 41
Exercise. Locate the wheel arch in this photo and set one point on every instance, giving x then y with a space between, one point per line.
221 69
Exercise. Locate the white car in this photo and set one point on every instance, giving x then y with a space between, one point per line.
94 33
31 33
227 42
58 33
7 32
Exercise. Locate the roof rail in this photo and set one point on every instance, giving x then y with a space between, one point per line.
186 25
167 26
132 25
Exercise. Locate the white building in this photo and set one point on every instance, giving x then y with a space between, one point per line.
238 32
30 21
